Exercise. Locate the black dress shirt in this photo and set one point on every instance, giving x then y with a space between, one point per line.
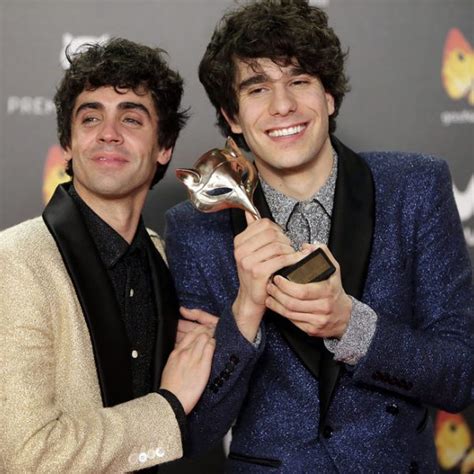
128 268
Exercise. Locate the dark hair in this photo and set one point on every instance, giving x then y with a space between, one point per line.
121 63
285 31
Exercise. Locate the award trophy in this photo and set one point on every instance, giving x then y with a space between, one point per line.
223 179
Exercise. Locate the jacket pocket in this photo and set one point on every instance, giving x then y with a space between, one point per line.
253 460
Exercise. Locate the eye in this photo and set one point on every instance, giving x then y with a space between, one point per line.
89 119
300 82
256 91
133 121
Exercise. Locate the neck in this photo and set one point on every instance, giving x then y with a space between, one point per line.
304 182
122 214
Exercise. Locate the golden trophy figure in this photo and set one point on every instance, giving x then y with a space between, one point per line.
223 179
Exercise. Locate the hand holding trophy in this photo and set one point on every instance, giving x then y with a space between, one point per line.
223 179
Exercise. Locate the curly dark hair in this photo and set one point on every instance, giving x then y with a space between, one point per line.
123 64
285 31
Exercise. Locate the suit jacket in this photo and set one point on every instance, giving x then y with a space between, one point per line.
396 233
65 380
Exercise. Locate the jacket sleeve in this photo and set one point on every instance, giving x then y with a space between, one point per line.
202 267
38 433
423 347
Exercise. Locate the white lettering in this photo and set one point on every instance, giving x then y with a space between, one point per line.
27 105
454 117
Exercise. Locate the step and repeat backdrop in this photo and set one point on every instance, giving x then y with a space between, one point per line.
411 65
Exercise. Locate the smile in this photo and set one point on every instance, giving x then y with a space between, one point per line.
110 159
285 132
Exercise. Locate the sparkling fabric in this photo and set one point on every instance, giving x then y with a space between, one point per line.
129 271
419 283
310 221
52 417
304 221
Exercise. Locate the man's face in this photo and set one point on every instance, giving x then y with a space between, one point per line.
114 144
283 116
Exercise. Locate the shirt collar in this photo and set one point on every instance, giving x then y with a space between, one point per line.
282 206
111 245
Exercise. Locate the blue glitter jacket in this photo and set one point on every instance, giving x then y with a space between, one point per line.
417 279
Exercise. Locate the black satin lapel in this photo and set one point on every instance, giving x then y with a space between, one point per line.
237 216
352 226
306 348
350 241
96 297
167 311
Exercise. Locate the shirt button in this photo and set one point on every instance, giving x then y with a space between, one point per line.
134 353
160 452
327 432
131 293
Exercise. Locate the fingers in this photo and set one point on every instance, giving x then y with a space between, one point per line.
250 218
184 327
280 286
260 233
282 302
199 316
194 319
188 367
189 338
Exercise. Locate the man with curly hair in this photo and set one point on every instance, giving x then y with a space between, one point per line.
332 376
89 380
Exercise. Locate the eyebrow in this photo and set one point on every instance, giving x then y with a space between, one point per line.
121 106
259 78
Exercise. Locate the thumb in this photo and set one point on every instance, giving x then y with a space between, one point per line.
250 217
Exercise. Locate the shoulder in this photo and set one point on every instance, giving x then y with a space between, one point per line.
30 237
185 217
28 252
391 164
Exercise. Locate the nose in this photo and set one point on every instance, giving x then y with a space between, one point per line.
282 101
110 132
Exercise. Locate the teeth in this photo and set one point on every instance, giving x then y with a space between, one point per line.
284 132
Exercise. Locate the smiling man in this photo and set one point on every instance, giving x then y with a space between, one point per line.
333 376
89 380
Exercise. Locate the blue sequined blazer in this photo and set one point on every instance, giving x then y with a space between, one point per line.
397 235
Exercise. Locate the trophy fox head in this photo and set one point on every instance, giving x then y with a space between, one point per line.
221 179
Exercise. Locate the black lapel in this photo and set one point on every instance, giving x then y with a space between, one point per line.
350 241
96 296
167 311
307 348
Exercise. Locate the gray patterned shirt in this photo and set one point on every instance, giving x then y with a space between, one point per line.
310 221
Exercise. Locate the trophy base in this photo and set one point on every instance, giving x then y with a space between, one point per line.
314 267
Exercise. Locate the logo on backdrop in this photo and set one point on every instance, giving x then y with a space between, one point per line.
465 203
54 172
454 442
74 44
457 75
319 3
42 106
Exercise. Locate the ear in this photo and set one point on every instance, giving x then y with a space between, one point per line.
329 103
67 153
164 155
233 123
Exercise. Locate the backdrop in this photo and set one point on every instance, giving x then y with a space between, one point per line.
411 66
